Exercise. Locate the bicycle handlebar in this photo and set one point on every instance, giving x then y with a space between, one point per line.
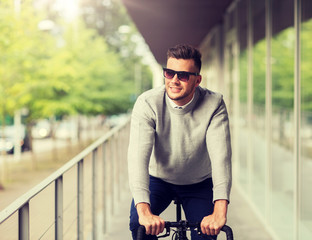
141 232
228 231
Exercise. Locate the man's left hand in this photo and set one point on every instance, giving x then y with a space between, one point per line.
212 224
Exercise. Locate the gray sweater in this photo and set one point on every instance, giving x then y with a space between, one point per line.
180 146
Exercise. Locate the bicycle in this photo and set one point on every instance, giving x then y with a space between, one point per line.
180 228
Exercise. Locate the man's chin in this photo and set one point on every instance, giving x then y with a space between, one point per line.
175 98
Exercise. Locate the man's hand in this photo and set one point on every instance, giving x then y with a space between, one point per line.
153 224
212 224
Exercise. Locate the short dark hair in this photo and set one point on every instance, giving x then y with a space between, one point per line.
184 51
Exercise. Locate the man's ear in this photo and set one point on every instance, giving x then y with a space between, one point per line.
198 80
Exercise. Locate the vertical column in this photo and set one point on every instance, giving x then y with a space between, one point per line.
297 116
226 75
80 200
23 222
268 111
118 173
250 94
104 195
111 174
17 135
123 160
59 208
94 193
235 85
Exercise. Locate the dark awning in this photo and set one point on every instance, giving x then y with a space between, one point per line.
165 23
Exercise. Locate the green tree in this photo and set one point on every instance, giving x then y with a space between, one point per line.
56 73
283 68
110 19
306 72
24 51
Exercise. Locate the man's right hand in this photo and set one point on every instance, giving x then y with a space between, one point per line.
153 224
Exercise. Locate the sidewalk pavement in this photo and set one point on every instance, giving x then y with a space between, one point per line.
243 221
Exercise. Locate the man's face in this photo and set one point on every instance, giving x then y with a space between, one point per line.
181 92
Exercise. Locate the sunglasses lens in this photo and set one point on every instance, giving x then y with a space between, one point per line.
183 76
168 73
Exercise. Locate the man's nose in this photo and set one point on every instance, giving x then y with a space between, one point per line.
175 79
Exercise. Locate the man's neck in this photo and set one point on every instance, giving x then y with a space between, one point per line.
175 104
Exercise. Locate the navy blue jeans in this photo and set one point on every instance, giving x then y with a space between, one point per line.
196 200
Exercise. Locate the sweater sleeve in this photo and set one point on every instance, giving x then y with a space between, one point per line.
219 148
141 143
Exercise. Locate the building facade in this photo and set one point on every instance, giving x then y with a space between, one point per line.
260 58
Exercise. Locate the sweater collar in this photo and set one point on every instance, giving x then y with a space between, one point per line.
173 105
185 108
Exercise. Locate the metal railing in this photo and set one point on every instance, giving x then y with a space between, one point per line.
81 195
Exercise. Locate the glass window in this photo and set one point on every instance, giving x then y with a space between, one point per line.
243 93
258 101
282 61
305 229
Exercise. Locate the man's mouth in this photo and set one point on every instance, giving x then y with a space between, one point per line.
175 89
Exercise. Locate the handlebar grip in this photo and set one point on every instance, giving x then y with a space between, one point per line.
141 233
228 231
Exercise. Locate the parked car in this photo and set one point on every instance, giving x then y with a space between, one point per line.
7 139
42 129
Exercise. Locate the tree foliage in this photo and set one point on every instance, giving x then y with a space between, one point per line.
282 65
306 60
68 69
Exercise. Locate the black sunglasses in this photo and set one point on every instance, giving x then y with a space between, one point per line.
182 76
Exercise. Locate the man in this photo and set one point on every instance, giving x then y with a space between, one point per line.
180 147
